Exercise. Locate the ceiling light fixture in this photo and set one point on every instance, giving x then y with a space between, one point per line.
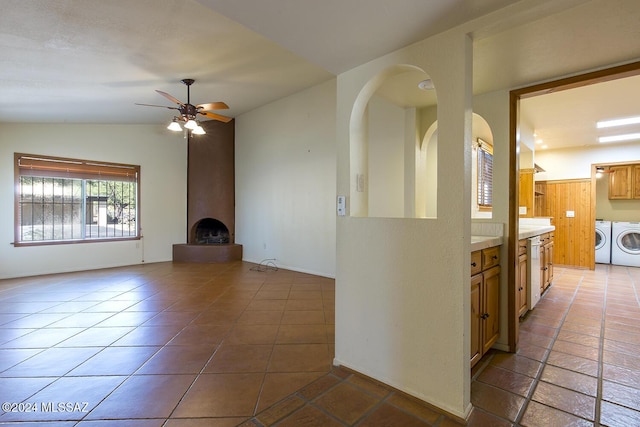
174 125
426 84
618 122
191 124
188 112
197 130
619 138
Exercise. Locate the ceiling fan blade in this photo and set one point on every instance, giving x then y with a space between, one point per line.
169 97
212 106
215 116
161 106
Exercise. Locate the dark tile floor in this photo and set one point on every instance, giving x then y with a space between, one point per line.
224 345
578 362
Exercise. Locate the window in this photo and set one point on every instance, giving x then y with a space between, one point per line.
485 175
61 200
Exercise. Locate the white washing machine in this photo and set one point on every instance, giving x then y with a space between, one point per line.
603 242
625 243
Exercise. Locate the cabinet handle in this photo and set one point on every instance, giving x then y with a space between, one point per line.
520 288
485 316
473 264
494 257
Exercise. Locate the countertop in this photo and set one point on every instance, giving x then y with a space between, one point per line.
526 231
482 242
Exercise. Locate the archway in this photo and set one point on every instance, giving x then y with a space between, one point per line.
384 145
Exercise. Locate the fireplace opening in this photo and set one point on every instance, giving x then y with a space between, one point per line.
209 231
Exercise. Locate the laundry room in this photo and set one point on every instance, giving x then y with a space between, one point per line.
585 145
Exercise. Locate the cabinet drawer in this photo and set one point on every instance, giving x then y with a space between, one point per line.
476 262
490 257
522 247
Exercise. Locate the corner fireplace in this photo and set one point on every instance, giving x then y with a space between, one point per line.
210 231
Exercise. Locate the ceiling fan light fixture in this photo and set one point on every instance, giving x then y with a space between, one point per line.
198 130
174 126
191 124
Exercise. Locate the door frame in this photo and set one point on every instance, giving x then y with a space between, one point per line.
585 79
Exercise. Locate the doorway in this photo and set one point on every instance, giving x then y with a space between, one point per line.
515 96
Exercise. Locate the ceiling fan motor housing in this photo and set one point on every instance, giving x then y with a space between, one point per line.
188 112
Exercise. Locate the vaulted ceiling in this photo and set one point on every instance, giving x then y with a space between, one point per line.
89 61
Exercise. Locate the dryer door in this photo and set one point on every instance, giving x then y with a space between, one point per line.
629 241
600 239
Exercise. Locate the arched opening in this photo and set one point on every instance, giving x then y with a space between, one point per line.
385 144
481 168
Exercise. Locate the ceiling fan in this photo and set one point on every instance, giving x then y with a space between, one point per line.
188 112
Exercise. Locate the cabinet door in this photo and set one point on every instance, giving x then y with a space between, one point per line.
620 182
522 285
548 258
491 307
476 321
543 268
636 181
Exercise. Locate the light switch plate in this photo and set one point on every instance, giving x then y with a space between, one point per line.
342 205
571 214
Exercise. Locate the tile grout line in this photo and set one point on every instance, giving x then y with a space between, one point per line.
597 410
537 380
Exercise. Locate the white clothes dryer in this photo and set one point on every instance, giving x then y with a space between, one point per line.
625 243
603 242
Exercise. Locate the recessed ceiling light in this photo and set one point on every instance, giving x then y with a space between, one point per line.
618 138
539 141
426 84
618 122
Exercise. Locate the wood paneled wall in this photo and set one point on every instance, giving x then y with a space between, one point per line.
525 194
574 236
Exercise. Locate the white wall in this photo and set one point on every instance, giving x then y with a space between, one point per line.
286 181
162 157
614 210
402 298
386 159
575 163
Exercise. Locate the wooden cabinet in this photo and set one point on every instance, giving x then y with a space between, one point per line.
526 192
476 323
546 260
624 182
620 182
491 306
635 171
522 279
485 301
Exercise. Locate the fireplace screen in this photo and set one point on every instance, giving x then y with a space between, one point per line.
209 231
